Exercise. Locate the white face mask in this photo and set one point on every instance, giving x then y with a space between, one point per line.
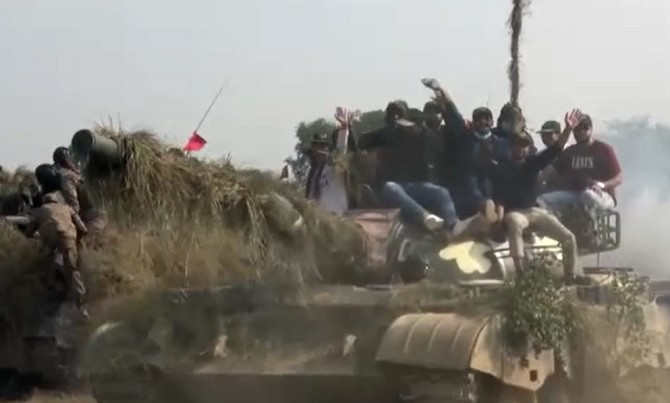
483 135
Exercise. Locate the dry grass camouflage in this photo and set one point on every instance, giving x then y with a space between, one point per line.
178 221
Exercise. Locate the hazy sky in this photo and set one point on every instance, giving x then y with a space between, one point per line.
157 64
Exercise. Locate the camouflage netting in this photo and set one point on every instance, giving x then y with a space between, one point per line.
178 221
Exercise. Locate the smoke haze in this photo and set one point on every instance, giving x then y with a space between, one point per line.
642 147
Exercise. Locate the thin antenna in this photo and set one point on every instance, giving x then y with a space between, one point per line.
210 107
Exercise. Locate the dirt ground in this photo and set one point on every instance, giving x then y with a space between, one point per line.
53 397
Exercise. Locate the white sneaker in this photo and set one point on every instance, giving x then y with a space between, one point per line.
433 222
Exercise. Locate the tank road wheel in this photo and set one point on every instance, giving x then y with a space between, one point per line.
146 384
555 390
511 394
423 386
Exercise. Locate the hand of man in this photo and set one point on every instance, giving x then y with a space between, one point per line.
572 118
432 83
596 185
346 116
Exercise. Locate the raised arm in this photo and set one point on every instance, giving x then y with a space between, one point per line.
76 219
540 161
345 117
453 119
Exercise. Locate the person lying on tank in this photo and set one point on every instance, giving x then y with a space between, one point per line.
515 182
588 172
406 168
464 144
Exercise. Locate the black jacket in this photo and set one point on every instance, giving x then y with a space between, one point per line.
464 174
407 152
515 184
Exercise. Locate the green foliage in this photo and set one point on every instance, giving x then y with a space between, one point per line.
537 313
541 314
630 339
625 304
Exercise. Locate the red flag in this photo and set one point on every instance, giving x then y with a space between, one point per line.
195 143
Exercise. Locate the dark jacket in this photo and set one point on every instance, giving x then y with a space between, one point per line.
407 152
464 161
314 173
515 184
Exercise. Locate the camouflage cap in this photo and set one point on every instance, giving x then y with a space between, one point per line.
550 126
320 138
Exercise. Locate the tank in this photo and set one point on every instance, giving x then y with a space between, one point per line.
424 327
418 342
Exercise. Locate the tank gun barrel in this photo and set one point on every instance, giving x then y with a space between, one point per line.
16 219
95 149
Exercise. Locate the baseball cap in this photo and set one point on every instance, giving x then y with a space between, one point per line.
550 126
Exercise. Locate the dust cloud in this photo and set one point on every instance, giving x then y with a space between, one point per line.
643 148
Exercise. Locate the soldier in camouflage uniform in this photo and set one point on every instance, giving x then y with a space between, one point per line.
74 193
59 227
71 179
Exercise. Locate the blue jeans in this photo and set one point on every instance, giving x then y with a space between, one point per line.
600 199
467 201
418 198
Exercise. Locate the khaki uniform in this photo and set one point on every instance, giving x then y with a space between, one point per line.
540 220
58 225
70 185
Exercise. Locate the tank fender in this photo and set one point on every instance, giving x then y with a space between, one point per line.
453 342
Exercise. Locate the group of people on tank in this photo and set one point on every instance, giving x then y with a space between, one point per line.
462 178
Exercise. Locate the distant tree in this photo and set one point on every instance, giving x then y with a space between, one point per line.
369 121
